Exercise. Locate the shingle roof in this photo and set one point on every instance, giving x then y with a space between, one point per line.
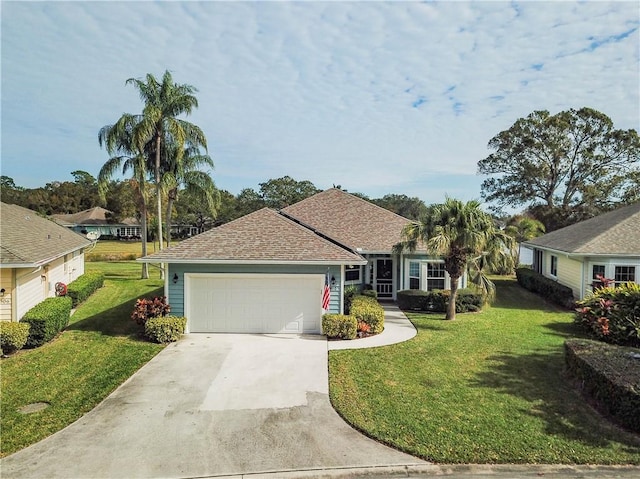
615 232
92 216
27 239
350 220
263 236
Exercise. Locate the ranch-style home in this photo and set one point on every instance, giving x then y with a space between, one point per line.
35 254
607 245
96 220
265 272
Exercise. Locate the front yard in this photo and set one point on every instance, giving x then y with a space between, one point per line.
485 388
97 352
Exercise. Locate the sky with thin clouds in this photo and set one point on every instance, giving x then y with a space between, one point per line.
378 97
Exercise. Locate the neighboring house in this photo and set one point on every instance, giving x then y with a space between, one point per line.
96 220
265 272
35 254
607 245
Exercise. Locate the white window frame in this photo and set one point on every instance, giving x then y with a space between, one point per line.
357 268
553 265
635 274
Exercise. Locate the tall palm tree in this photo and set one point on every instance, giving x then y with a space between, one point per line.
159 124
118 140
522 228
467 239
184 171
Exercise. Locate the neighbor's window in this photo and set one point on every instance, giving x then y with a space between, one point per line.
537 260
598 270
435 276
554 266
352 273
414 275
625 274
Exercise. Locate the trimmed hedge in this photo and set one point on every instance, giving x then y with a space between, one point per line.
47 319
436 301
368 310
371 293
610 375
350 292
83 287
165 329
13 336
612 314
549 289
339 326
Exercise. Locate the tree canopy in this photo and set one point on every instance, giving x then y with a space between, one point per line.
565 167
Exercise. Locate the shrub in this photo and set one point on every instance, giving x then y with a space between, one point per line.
436 301
368 310
165 329
339 326
609 374
47 319
145 309
363 327
349 292
612 314
13 336
83 287
549 289
371 293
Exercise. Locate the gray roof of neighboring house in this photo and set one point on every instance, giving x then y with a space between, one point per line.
614 233
93 216
27 239
264 236
352 221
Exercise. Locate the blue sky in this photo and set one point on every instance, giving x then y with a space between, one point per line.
378 97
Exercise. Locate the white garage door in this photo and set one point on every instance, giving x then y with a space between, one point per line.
253 303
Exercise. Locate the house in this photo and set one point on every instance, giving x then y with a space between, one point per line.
265 272
96 220
606 245
35 254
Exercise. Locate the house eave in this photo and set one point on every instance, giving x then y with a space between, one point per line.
254 262
574 254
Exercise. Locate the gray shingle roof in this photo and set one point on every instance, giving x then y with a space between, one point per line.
350 220
614 233
264 236
92 216
27 239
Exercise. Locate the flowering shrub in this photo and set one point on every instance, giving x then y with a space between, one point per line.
612 314
150 308
363 327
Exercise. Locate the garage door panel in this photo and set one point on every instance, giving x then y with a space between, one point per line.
254 303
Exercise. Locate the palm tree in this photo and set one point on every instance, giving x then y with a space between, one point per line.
159 125
465 236
118 138
522 228
183 170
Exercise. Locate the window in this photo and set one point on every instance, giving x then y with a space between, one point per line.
414 275
435 276
597 270
624 274
537 261
352 273
553 271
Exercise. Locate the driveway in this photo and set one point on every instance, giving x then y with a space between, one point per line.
211 405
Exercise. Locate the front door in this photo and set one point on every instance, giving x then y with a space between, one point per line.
383 277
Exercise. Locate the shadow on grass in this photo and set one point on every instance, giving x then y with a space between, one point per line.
114 321
540 379
510 295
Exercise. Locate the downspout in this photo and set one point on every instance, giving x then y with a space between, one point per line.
341 290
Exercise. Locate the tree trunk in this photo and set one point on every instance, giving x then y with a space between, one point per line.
451 307
159 198
170 200
143 228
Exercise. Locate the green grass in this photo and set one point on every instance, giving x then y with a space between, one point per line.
488 387
107 250
97 352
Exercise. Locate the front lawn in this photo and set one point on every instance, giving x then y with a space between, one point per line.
488 387
97 352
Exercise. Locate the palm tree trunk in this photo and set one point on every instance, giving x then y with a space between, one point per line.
170 200
158 190
143 227
451 307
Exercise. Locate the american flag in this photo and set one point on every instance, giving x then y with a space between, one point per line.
326 293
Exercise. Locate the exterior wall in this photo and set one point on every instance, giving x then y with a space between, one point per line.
570 274
175 291
6 299
404 283
31 289
610 264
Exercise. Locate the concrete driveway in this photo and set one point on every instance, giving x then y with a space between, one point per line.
211 405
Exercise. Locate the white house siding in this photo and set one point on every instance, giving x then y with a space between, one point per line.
570 274
31 289
610 264
6 299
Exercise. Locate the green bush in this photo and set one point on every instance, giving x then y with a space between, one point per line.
612 314
545 287
436 301
339 326
349 292
611 375
146 309
165 329
83 287
47 319
13 336
368 310
371 293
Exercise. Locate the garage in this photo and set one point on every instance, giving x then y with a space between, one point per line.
253 303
